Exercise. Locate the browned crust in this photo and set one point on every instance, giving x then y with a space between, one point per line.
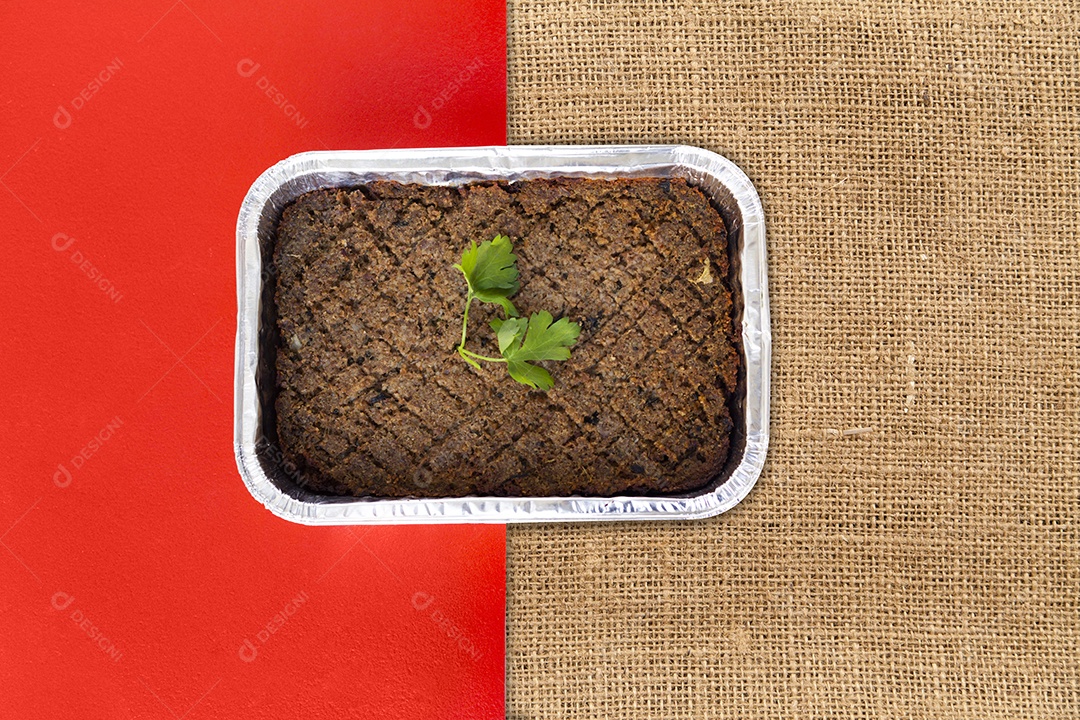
373 401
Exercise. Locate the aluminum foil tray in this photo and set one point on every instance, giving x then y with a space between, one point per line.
274 482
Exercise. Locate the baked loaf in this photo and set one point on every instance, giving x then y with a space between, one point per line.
372 399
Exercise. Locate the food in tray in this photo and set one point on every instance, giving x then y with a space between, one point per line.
372 397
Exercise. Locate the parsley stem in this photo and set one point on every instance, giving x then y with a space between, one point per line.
471 354
465 320
464 331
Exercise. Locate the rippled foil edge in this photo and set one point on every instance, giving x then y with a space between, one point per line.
276 187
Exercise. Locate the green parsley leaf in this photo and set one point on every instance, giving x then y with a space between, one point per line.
542 339
490 269
546 340
509 331
532 375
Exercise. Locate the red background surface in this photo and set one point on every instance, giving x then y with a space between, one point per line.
129 585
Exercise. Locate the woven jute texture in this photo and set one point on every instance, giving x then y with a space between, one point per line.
913 546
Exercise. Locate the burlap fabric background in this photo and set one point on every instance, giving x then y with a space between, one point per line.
920 170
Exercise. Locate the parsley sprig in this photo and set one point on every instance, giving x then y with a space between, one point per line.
491 273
